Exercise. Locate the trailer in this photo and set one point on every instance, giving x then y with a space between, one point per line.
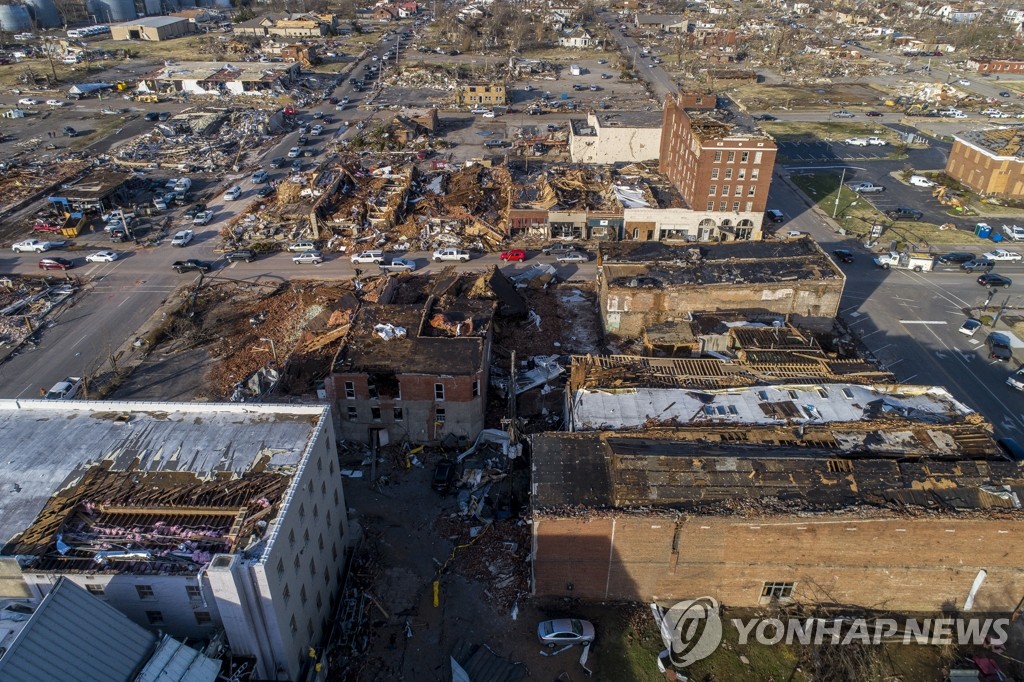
918 262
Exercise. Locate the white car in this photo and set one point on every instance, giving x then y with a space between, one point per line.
577 257
54 103
856 141
877 142
959 114
489 114
921 181
64 390
101 257
1014 232
1016 380
27 102
311 257
294 153
317 129
233 193
368 257
305 245
1002 255
202 218
970 326
964 82
478 110
182 238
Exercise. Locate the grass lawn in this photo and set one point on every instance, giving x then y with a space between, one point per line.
856 215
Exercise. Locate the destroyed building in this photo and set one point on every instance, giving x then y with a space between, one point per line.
416 371
215 78
649 283
989 161
186 518
878 496
615 137
96 190
484 94
718 164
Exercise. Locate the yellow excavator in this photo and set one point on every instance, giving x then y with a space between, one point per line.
948 197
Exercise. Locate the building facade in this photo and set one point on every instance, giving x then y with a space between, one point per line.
615 137
715 165
224 516
989 162
151 28
486 94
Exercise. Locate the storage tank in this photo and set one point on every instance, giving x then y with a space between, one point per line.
15 18
111 11
153 7
222 4
45 13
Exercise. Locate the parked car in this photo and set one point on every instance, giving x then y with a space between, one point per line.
489 114
1003 255
265 191
874 114
398 265
991 279
867 188
775 215
317 130
277 162
66 389
856 141
182 238
450 254
27 102
1014 232
842 113
558 249
978 264
368 257
479 110
202 218
304 245
513 255
55 263
494 144
877 142
308 257
150 116
191 265
247 255
260 176
844 255
921 181
101 257
903 213
576 257
294 152
998 347
970 326
955 257
1016 380
444 476
1004 93
563 631
233 193
765 117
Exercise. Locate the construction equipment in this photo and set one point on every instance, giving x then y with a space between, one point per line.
150 98
948 197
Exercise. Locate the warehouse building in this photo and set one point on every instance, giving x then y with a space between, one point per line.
151 28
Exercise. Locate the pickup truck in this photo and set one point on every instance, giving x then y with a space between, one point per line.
190 265
1016 380
35 245
857 141
397 265
867 188
117 215
451 254
918 262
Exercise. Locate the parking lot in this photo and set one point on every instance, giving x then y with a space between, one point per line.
820 151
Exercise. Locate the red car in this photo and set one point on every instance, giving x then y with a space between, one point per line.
513 255
55 263
44 226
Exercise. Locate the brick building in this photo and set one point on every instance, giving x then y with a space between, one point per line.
615 137
641 284
865 495
486 94
415 371
988 65
989 161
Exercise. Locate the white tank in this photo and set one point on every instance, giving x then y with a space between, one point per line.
15 18
111 11
45 13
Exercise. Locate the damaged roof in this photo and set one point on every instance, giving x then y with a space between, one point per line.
655 264
1004 141
773 468
52 446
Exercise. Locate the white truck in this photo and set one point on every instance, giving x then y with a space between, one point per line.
867 188
575 69
451 254
36 245
918 262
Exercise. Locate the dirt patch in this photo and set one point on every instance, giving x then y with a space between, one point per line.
566 322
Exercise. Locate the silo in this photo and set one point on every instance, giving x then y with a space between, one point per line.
45 13
222 4
152 7
111 11
15 18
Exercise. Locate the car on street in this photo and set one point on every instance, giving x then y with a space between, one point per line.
765 117
444 476
1004 93
368 257
182 238
867 188
874 114
277 162
317 130
479 110
150 116
1016 380
991 279
194 210
294 152
265 191
260 176
101 257
163 115
191 265
308 257
55 263
844 255
970 326
494 144
513 255
577 257
233 193
489 114
903 213
65 389
1003 255
27 102
978 264
558 249
1014 232
247 255
296 166
775 215
562 631
964 82
202 218
450 254
305 245
955 257
999 347
398 265
54 103
842 113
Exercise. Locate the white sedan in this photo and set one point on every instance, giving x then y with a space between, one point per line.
575 257
182 238
1003 255
101 257
27 102
54 103
311 257
294 152
489 114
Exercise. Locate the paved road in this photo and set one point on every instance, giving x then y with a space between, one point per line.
660 81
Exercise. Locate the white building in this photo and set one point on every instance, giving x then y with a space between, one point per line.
578 38
220 78
187 518
616 136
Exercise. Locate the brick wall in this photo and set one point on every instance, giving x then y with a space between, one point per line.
898 563
984 173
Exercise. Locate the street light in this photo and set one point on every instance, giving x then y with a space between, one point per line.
273 348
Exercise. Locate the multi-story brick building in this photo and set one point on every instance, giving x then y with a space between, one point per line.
718 165
415 371
989 161
485 94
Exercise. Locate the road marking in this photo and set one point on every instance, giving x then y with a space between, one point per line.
923 322
127 298
1007 423
84 336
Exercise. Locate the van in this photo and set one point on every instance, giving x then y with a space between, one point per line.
921 181
183 185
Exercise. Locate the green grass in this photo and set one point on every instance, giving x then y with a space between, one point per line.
777 662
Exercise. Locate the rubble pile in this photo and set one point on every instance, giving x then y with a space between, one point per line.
20 181
201 139
420 75
24 305
496 555
575 188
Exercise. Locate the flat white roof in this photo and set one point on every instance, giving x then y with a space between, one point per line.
49 444
153 22
630 408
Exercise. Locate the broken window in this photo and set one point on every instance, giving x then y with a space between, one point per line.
754 173
439 416
155 617
739 190
96 590
438 391
399 415
375 414
778 590
193 592
476 388
744 157
757 157
385 385
353 413
350 390
145 591
203 618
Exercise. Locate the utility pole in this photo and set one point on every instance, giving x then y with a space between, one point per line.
835 210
